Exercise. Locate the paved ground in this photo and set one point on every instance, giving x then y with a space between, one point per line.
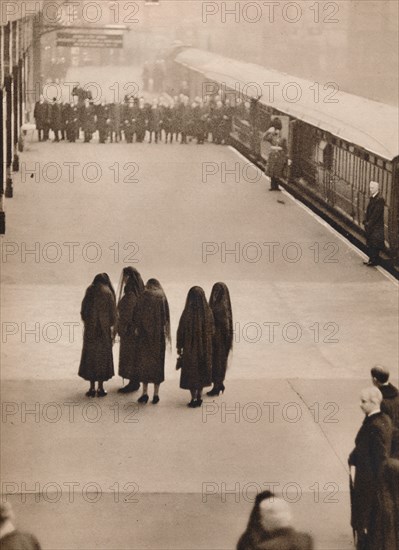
289 414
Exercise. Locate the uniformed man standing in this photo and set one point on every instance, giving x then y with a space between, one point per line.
130 120
88 120
73 120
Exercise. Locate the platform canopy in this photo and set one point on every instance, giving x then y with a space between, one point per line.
363 122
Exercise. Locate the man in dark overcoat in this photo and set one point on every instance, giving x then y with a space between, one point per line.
130 120
390 403
41 115
56 119
103 119
368 459
88 120
72 123
374 224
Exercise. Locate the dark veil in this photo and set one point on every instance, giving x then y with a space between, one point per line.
87 304
152 311
220 305
196 322
130 281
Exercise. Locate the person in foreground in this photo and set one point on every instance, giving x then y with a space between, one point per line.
270 527
12 538
389 404
369 458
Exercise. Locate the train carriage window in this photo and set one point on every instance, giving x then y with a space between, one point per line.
388 166
380 163
372 159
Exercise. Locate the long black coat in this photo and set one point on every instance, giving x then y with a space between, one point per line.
196 368
220 346
56 117
128 341
151 319
99 316
283 539
374 222
372 450
391 504
42 115
88 119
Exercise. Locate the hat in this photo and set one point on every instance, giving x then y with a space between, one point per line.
380 373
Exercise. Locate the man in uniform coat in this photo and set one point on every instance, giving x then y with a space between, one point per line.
142 118
103 119
374 224
88 120
369 457
72 123
390 403
130 120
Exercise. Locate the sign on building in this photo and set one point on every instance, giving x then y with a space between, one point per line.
89 40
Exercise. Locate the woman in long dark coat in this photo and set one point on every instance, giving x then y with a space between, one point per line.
222 341
152 328
194 345
99 317
133 287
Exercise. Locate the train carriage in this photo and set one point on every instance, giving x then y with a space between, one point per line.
337 142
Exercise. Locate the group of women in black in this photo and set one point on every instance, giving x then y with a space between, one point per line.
140 316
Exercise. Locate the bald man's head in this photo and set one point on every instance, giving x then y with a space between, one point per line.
370 400
374 187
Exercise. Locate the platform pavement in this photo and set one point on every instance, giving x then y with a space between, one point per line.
172 464
171 211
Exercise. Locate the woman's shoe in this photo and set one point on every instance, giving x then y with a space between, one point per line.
198 403
192 404
91 393
143 399
155 399
216 390
101 393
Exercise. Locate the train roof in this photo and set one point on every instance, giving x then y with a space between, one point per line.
363 122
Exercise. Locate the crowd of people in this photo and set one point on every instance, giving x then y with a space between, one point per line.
141 318
137 119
